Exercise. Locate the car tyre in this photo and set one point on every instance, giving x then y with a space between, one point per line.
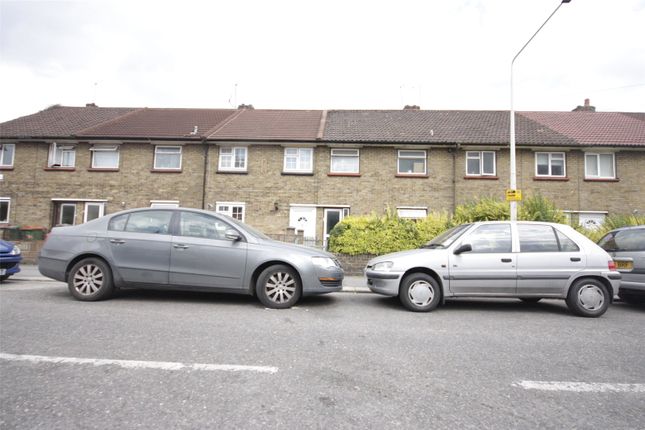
278 287
420 292
588 298
530 300
90 280
4 277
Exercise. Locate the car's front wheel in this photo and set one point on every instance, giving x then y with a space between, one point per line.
90 280
419 292
588 298
278 287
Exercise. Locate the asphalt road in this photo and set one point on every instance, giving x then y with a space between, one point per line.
339 361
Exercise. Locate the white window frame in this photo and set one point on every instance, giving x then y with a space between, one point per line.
349 153
411 212
298 158
599 175
550 163
86 211
8 200
7 163
401 155
164 204
57 156
479 155
227 158
60 213
177 151
106 148
226 208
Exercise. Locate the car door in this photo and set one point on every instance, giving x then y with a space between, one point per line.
490 267
202 256
140 246
546 261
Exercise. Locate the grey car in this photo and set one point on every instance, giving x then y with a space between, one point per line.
627 246
525 260
184 249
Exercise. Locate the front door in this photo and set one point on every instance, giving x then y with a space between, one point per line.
332 217
304 218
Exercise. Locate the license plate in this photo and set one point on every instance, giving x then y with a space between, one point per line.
3 271
624 265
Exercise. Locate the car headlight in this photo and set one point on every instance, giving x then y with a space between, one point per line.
15 251
383 266
323 262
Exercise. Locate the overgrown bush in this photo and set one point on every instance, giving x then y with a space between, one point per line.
539 208
484 209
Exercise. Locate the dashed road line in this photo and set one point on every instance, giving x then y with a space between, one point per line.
581 387
136 364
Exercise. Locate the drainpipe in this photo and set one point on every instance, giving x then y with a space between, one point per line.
454 177
205 180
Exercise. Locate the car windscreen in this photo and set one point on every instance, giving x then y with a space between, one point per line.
447 238
632 239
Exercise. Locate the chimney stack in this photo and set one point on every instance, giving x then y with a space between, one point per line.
586 108
412 107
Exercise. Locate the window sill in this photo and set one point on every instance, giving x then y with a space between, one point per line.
351 175
602 180
484 177
551 178
59 169
410 175
6 167
233 172
94 169
165 170
297 173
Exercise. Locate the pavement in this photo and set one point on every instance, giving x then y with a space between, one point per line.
29 272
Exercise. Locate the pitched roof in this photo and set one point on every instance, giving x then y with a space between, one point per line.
161 123
262 124
59 121
419 126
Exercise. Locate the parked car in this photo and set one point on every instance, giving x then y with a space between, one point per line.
525 260
184 249
10 258
627 247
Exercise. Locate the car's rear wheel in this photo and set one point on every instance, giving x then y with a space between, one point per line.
278 287
588 298
419 292
530 300
90 280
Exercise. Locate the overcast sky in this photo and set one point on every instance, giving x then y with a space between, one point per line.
333 54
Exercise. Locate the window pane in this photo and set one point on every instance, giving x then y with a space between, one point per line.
537 238
473 166
542 164
491 238
240 158
4 211
607 165
6 155
155 222
344 164
415 154
566 244
68 158
630 240
199 225
489 163
167 161
93 212
557 167
67 214
591 164
105 159
118 222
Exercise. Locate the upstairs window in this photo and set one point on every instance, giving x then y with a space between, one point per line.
105 157
7 151
600 166
344 161
167 158
63 156
480 163
411 162
550 164
233 158
298 160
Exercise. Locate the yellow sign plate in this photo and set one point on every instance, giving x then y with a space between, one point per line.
513 195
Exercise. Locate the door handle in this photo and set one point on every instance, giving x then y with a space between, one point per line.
575 258
117 241
507 260
179 246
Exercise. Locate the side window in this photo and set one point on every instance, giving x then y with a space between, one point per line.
491 238
117 223
537 238
566 244
200 225
154 222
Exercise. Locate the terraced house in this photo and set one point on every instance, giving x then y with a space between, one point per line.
307 169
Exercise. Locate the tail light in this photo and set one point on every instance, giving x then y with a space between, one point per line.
611 265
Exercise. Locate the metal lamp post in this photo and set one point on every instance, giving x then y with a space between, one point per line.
513 181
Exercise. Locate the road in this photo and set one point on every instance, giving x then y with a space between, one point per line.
190 360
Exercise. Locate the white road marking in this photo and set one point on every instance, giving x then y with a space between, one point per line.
134 364
581 387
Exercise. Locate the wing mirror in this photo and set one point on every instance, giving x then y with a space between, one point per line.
233 235
466 247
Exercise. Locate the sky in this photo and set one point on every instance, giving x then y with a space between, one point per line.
333 54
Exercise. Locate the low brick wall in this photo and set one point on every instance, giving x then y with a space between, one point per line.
29 250
354 264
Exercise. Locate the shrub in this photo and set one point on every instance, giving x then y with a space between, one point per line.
611 222
539 208
484 209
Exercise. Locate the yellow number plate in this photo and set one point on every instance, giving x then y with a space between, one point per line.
624 265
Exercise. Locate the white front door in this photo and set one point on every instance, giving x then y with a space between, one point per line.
333 217
304 218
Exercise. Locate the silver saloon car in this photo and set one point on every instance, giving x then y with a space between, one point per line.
184 249
525 260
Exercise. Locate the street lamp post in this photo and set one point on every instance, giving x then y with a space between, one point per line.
513 180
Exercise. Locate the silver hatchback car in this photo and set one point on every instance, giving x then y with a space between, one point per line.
526 260
626 245
184 249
